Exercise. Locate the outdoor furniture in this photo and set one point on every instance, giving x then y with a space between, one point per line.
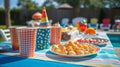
116 26
64 22
77 19
93 23
5 33
105 24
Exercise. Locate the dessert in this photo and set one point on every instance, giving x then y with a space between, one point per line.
56 24
37 16
90 31
93 40
69 33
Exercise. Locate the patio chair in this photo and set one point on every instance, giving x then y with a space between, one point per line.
5 34
65 22
105 24
116 26
93 23
77 19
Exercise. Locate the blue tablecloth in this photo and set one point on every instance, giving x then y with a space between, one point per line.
44 58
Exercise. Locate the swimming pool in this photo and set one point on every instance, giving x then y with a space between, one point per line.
115 39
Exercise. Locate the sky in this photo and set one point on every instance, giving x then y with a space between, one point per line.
13 3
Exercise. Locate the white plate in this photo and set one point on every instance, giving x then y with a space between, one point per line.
91 36
97 43
100 44
64 55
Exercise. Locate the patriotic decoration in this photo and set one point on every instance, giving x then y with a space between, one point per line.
44 19
43 38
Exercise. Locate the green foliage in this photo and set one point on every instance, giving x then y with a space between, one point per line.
74 3
15 14
2 16
28 4
1 9
96 4
2 26
1 39
49 4
90 3
50 7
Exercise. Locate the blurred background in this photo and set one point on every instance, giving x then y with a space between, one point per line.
21 11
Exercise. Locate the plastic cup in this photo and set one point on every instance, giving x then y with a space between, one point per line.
27 41
55 37
43 38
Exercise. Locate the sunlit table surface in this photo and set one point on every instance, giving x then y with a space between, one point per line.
105 58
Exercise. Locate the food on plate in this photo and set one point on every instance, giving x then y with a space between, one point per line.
93 40
69 33
37 16
70 27
65 36
90 31
75 48
56 24
67 29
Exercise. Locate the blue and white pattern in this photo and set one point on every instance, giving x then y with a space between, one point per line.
43 38
105 58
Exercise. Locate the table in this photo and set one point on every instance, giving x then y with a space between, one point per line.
105 58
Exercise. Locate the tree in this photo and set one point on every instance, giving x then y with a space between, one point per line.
75 4
7 13
27 4
91 3
49 4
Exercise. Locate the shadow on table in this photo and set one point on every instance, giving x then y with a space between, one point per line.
12 61
73 59
9 51
103 45
8 59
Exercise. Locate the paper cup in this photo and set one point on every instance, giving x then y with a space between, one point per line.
14 38
43 38
27 41
55 37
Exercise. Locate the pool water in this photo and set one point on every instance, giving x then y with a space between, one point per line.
115 39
